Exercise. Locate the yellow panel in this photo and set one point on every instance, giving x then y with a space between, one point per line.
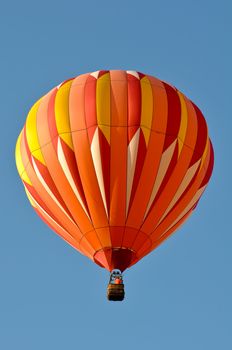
31 133
147 108
62 113
18 158
183 123
103 104
19 162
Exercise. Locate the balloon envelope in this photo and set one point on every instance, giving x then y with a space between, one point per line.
114 162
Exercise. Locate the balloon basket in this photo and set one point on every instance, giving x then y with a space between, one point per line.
115 292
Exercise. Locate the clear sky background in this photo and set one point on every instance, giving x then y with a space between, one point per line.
180 296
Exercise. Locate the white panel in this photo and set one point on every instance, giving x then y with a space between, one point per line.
95 74
132 153
133 72
96 155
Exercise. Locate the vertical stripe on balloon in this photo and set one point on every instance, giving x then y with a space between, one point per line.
132 152
96 155
61 108
134 104
146 108
174 115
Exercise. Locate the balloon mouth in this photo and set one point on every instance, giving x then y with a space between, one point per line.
115 258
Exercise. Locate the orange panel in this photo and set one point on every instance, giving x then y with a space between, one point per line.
104 236
102 259
93 240
160 108
42 118
87 248
77 103
118 148
118 166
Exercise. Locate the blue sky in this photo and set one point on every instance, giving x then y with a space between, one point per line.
179 297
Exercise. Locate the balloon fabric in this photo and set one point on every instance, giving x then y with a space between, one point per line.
114 162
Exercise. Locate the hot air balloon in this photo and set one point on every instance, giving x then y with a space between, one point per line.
114 162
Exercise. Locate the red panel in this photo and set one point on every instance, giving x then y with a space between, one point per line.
116 234
129 237
102 72
174 115
210 166
134 105
202 136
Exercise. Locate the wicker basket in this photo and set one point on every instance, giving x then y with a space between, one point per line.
115 292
